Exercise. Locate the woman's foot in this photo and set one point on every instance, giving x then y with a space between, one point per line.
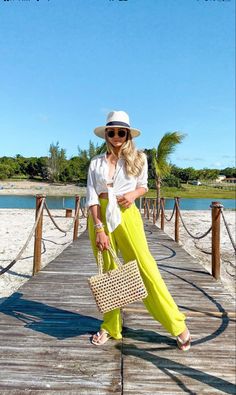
184 340
100 337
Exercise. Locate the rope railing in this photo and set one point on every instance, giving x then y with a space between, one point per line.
54 222
217 212
150 210
37 231
185 227
12 263
228 230
162 208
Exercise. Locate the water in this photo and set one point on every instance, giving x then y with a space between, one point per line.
12 201
199 204
56 202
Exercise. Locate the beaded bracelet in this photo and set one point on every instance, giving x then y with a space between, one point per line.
98 226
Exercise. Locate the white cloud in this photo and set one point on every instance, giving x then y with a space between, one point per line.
190 159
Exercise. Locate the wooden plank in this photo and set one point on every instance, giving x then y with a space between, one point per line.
45 329
151 362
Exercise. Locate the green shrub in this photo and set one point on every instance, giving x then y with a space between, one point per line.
171 181
6 171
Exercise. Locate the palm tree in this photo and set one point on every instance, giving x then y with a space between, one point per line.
160 156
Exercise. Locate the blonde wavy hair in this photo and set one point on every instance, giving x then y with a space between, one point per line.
134 159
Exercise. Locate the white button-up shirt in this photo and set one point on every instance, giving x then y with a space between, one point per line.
122 183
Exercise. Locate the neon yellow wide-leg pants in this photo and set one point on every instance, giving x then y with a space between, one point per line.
129 238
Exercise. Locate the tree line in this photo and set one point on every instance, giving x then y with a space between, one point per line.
57 168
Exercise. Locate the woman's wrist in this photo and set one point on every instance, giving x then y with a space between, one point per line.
101 230
98 225
140 191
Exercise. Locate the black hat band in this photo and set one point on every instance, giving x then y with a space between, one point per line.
117 123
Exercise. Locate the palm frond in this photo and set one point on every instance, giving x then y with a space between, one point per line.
161 168
102 148
164 149
168 143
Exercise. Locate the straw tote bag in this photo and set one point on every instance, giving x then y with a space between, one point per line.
118 287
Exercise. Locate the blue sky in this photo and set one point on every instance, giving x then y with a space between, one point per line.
64 64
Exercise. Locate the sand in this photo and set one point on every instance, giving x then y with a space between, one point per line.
15 226
34 187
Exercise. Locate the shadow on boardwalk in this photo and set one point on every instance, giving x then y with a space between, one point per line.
63 324
55 322
45 330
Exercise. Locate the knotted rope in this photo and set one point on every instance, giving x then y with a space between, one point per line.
228 230
185 227
172 214
56 225
5 269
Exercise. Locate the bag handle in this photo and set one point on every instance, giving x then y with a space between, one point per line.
101 262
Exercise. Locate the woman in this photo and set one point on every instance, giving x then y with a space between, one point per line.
115 180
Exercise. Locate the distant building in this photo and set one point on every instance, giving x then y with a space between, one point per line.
231 180
220 178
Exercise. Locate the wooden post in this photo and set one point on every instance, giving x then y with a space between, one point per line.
76 224
38 236
154 205
148 208
215 241
162 213
68 212
144 207
177 220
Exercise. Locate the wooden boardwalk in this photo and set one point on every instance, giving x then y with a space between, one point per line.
45 329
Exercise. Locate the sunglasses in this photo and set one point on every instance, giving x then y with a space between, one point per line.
120 133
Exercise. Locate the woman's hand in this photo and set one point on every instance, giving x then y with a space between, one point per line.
102 241
127 199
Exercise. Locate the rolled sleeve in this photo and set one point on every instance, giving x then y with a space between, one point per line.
142 180
91 195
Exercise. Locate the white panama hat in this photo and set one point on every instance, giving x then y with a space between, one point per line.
116 119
